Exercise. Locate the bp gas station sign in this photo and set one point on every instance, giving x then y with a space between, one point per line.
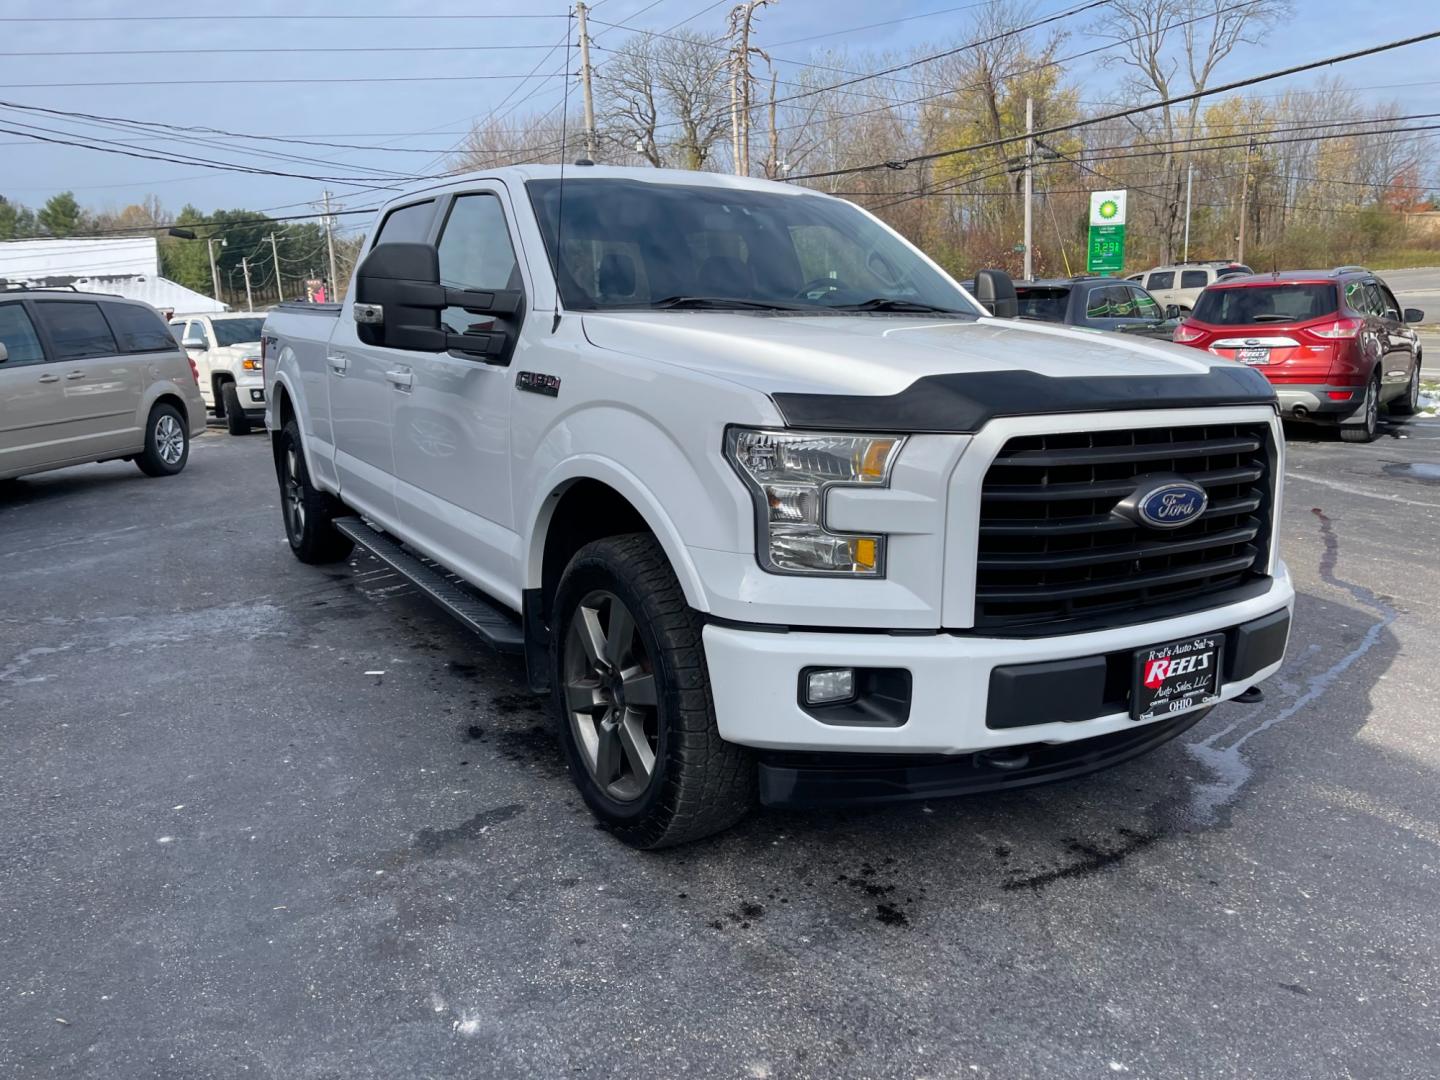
1106 251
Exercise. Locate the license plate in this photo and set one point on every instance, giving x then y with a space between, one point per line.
1176 677
1253 356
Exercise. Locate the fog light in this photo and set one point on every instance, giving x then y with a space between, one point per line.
829 686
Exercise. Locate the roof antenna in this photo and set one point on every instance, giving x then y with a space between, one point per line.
560 199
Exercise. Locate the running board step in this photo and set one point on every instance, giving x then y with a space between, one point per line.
497 627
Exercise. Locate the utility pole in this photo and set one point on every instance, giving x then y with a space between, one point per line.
275 254
1029 183
245 269
1189 185
741 24
591 143
1244 199
330 248
214 272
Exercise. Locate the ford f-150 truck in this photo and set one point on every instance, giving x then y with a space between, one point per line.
771 506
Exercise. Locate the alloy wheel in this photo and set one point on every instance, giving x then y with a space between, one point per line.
294 494
169 439
610 696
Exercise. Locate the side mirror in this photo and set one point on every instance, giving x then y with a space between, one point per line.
1414 315
4 353
996 293
399 300
193 344
1172 311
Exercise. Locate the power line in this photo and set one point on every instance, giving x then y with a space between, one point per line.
270 81
1134 111
211 50
250 18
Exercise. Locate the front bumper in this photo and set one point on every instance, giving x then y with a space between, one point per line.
755 674
1305 402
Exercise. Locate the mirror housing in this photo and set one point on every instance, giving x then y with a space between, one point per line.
192 344
399 294
1172 311
4 353
1414 315
996 293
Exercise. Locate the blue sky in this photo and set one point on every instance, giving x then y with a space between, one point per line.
200 85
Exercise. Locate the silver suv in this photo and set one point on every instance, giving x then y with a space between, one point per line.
88 377
1182 283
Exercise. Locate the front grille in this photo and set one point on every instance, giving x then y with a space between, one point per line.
1052 552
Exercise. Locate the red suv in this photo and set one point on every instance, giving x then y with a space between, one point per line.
1334 343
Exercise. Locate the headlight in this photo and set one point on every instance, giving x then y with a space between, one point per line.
789 473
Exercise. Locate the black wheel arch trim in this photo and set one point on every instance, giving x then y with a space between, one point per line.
963 403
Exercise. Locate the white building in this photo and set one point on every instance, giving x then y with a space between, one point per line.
122 266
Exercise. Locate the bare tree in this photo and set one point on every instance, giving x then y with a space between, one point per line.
1173 47
662 99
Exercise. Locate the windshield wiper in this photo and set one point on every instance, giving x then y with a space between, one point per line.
722 303
887 303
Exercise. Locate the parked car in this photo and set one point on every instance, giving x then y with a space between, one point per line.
1099 303
1334 343
1182 283
226 352
768 504
88 377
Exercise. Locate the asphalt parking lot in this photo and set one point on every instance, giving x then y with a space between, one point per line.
230 849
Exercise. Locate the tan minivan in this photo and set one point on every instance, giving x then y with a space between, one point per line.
86 377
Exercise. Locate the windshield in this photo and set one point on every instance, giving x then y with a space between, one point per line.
631 244
1246 304
1047 304
237 331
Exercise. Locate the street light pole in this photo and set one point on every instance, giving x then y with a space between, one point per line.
214 272
245 269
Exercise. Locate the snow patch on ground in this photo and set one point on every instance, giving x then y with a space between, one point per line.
1429 400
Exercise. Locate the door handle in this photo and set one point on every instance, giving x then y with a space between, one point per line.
49 378
403 380
74 375
338 363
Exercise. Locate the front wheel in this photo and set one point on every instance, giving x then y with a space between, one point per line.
1408 405
167 442
236 422
309 512
1364 432
633 703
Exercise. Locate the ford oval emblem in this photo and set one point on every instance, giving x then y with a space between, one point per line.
1171 504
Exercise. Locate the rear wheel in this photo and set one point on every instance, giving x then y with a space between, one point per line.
167 442
633 702
1364 431
309 512
1409 403
235 420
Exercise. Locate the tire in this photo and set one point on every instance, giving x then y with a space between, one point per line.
1408 405
309 512
167 442
235 420
1365 432
697 783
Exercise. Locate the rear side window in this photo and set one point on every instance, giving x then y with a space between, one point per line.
76 329
1243 305
1164 279
407 224
1045 304
18 334
1193 279
138 329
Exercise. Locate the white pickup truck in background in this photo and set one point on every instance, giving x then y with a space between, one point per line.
226 352
770 504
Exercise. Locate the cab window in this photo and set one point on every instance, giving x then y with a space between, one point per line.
76 329
195 335
1106 303
407 224
1388 302
18 334
1145 305
476 253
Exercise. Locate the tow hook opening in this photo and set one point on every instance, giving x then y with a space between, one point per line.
1007 758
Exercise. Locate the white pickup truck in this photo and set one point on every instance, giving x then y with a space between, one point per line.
770 504
226 353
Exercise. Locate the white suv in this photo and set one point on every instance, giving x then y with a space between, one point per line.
1183 283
